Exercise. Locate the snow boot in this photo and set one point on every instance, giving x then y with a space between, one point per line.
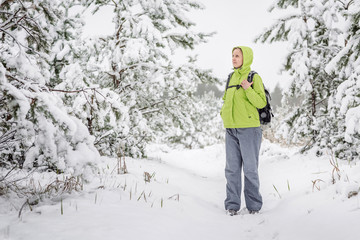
231 212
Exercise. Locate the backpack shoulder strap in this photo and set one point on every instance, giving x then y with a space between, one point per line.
228 80
249 79
251 76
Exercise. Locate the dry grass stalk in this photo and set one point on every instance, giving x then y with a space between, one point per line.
353 193
316 181
288 184
121 164
62 208
34 192
277 191
147 177
175 197
336 169
142 194
66 186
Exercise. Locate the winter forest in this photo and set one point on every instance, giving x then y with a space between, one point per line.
111 128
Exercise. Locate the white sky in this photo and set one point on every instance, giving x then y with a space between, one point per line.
237 22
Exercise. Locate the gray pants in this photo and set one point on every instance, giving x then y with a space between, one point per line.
242 151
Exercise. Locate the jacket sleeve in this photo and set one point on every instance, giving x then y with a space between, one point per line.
256 93
224 97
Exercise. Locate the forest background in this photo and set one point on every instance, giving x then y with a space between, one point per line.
68 98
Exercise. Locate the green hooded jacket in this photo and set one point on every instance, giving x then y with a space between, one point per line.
240 106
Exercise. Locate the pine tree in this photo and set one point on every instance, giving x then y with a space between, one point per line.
68 29
47 137
343 133
133 90
312 38
206 126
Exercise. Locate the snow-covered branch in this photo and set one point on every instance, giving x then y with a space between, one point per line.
6 139
156 103
73 91
150 111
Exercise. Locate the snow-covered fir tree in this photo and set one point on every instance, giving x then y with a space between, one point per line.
203 125
62 95
310 29
134 92
68 29
343 134
46 136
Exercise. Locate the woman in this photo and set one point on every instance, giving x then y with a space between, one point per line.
243 133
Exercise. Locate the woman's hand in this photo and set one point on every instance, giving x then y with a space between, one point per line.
245 84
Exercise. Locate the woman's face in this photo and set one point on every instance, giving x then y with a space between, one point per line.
237 58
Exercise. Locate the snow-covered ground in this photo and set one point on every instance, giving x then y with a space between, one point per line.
184 200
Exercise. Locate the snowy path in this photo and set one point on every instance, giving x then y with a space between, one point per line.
292 211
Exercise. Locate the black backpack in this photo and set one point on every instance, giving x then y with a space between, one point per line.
265 114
